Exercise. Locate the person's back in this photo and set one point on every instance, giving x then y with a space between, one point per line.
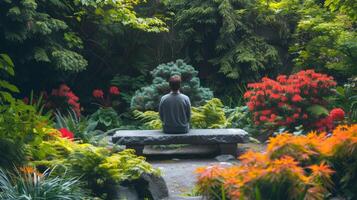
175 109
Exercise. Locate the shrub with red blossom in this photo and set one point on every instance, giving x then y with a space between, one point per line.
63 98
287 101
108 100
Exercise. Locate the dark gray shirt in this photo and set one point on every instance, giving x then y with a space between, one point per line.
175 113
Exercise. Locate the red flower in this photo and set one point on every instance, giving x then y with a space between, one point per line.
263 118
266 112
296 98
65 133
114 90
284 94
337 114
98 93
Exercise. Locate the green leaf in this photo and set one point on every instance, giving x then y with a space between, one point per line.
8 86
317 110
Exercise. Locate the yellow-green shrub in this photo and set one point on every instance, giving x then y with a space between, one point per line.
210 115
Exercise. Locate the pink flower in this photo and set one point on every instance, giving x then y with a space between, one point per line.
98 93
114 90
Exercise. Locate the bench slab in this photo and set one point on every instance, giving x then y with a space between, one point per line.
195 136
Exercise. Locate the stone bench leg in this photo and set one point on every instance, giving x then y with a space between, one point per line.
139 150
230 149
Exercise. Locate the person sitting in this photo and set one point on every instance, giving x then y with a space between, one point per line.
175 109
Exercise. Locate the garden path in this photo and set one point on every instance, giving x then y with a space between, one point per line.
179 174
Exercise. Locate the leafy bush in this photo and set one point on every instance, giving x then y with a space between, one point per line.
106 119
18 124
346 98
325 38
82 128
27 184
210 115
99 167
148 98
240 117
28 138
293 167
291 101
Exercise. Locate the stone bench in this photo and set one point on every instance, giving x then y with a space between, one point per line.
226 139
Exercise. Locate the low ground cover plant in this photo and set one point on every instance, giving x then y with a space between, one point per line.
313 166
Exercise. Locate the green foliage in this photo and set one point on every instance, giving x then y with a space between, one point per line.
213 114
32 185
151 119
20 133
6 88
346 98
222 33
31 23
69 61
240 117
345 6
325 39
148 98
128 85
123 12
105 118
82 128
210 115
99 167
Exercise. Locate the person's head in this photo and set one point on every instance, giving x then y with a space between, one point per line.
175 83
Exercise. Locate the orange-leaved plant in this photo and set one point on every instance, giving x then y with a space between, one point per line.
309 167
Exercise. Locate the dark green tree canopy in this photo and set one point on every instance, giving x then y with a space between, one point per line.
223 33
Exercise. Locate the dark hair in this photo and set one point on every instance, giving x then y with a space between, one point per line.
175 82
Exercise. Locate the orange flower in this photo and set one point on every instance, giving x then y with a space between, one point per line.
251 157
321 170
29 170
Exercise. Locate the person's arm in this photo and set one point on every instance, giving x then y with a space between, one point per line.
161 112
188 109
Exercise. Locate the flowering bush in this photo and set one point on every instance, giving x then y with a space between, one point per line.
108 100
62 99
291 100
293 167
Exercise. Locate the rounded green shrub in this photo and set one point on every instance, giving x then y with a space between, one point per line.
148 98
